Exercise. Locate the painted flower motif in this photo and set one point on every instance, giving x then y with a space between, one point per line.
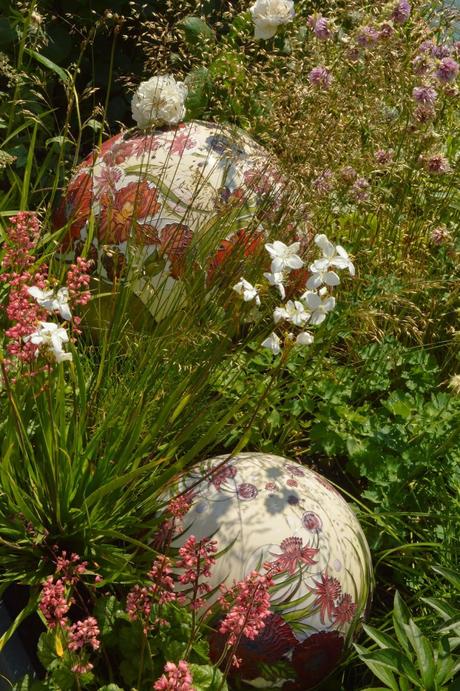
136 147
159 101
344 610
327 591
106 179
292 483
293 500
292 554
246 491
175 239
221 475
76 206
271 486
311 521
317 657
181 142
121 213
268 15
295 470
241 244
272 642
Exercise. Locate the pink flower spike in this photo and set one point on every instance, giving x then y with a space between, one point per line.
176 678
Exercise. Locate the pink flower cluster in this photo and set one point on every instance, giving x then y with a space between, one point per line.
78 278
71 569
248 605
141 599
179 506
197 558
176 678
54 604
83 633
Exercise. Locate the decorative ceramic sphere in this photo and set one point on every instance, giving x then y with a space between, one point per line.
276 516
155 198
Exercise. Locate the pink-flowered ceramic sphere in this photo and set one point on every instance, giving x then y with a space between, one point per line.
271 513
151 199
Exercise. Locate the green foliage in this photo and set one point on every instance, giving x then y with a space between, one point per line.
409 659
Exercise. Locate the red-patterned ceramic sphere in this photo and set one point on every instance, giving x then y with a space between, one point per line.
272 514
150 199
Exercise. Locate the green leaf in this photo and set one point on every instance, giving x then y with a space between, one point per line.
401 616
196 31
425 655
49 64
46 649
451 575
382 639
7 33
207 678
444 663
396 662
379 670
199 90
110 687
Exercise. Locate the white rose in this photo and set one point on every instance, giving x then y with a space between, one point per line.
159 101
268 15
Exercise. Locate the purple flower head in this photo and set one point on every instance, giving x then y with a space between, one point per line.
386 30
424 113
401 12
367 36
447 70
427 47
348 174
424 94
324 182
320 76
320 26
441 51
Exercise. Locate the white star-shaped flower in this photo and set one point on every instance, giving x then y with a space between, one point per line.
318 306
304 338
284 257
273 343
320 274
247 291
276 279
53 302
293 312
50 337
333 255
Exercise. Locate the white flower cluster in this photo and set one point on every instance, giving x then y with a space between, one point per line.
50 337
159 101
268 15
315 303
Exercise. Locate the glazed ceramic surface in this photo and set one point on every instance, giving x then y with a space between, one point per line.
275 514
196 190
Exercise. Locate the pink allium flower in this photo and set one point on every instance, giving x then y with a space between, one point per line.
367 36
447 70
360 190
440 236
175 678
424 94
348 174
383 156
250 608
83 633
53 602
401 12
436 164
320 26
324 182
320 76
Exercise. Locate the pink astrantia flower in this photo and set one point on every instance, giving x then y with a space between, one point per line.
320 77
176 678
292 554
327 591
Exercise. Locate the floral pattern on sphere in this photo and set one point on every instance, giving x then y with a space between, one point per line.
149 197
304 536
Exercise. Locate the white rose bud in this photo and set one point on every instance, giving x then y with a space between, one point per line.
268 15
159 101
